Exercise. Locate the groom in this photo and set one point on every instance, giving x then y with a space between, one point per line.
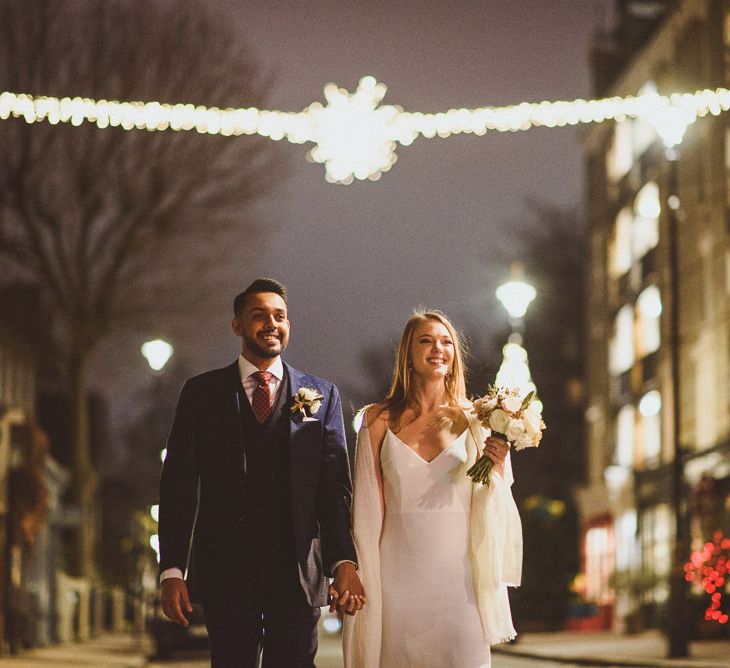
255 498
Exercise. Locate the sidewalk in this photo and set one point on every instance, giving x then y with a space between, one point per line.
614 649
120 650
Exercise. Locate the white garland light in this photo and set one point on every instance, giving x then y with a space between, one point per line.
356 138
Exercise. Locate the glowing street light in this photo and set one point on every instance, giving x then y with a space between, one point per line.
515 295
157 353
514 370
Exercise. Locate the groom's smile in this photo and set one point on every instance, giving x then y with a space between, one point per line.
263 327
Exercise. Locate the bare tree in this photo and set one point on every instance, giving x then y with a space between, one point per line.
96 216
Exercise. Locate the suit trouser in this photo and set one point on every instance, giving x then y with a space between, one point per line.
267 613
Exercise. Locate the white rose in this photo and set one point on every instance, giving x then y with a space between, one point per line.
485 405
515 429
307 393
524 441
512 403
499 420
532 418
314 407
491 403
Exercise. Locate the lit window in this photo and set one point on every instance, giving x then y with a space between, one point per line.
626 543
645 232
621 353
625 436
647 204
650 407
650 404
620 155
656 532
599 563
656 543
663 539
648 311
620 253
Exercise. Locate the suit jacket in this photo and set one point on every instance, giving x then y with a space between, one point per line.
202 499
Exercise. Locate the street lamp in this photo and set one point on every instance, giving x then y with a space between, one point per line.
671 126
515 295
157 352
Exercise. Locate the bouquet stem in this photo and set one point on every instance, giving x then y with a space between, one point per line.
481 470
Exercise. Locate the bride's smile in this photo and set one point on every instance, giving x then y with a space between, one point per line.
432 350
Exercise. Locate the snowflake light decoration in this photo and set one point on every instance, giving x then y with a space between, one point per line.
352 134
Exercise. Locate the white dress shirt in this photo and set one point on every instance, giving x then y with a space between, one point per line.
247 371
249 382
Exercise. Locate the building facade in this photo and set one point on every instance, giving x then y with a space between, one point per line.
31 487
638 438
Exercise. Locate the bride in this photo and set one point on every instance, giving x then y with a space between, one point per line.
435 551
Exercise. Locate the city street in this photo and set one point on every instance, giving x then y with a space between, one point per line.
291 293
330 656
498 661
546 650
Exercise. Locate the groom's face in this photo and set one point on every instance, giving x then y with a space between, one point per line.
263 326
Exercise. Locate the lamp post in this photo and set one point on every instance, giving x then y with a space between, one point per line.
157 352
671 126
515 295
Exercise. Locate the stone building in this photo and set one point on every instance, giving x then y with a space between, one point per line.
31 486
637 193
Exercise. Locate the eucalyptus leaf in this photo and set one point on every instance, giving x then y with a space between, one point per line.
526 401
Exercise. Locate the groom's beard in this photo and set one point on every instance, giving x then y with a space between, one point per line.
264 351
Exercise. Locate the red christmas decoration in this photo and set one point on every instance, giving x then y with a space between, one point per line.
709 567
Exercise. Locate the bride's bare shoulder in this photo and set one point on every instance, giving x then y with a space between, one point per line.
376 419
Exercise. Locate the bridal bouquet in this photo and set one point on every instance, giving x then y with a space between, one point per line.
518 421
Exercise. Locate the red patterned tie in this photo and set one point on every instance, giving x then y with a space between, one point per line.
261 399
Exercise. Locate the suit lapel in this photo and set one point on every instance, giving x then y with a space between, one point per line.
234 398
304 437
295 382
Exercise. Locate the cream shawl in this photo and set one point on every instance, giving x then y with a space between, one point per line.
495 551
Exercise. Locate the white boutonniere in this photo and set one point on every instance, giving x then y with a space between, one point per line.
305 403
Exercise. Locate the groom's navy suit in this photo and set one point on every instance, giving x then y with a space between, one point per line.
258 513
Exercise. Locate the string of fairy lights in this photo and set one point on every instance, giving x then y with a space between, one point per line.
356 137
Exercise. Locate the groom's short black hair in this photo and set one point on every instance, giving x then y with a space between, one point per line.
259 285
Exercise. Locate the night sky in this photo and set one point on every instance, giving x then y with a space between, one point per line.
356 259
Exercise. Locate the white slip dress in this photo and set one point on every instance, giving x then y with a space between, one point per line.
430 616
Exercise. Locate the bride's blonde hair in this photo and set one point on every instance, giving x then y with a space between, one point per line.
400 393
